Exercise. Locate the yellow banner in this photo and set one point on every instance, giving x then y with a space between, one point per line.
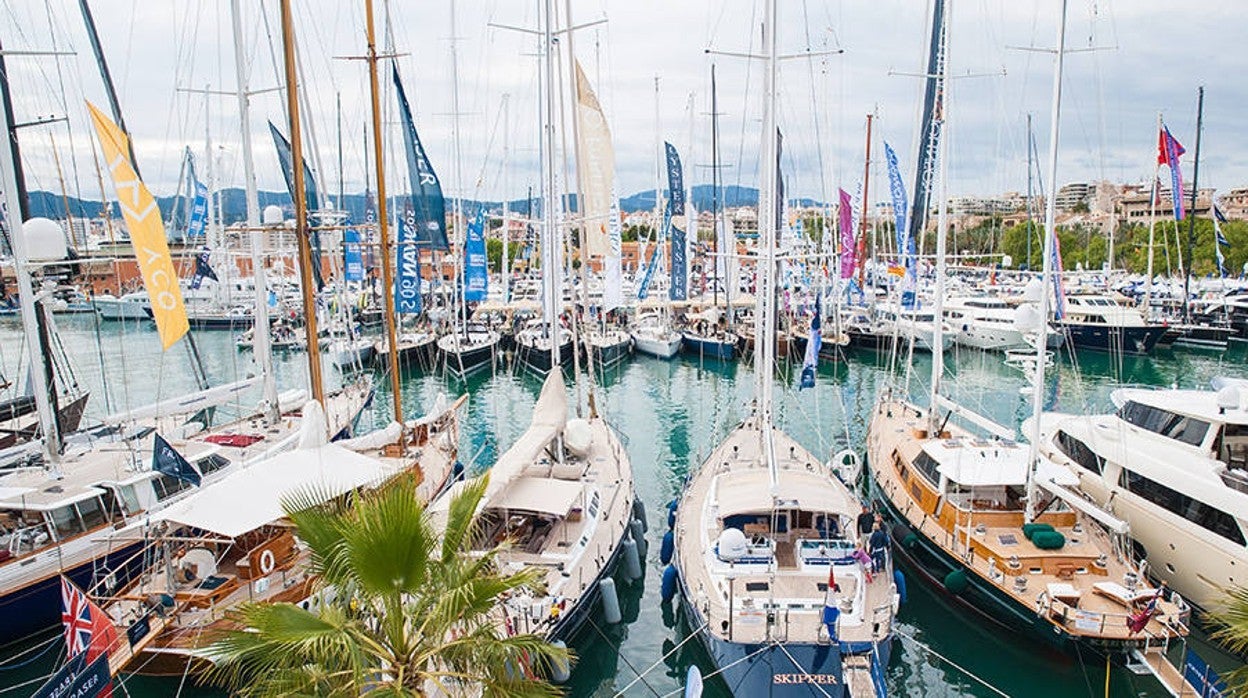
147 231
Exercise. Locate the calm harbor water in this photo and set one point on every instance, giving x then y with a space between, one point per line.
670 415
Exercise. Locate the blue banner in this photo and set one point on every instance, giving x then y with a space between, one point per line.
643 291
199 209
427 201
675 182
286 158
352 256
169 462
897 189
680 278
476 265
407 278
810 363
77 679
1203 678
203 270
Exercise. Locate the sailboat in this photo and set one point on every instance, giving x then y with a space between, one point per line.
769 573
562 494
983 518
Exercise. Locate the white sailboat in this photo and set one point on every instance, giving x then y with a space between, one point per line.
764 546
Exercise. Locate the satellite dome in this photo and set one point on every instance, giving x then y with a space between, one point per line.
732 545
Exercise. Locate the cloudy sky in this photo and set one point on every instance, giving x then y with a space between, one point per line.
1152 56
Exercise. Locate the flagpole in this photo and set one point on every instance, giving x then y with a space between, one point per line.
1152 227
1191 215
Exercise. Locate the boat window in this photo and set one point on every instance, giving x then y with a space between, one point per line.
1188 430
129 499
166 486
92 513
1181 505
927 465
1079 452
211 463
66 521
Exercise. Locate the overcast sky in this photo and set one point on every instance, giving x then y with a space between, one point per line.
1154 55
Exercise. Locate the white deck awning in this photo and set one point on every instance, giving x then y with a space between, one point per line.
540 495
251 498
991 464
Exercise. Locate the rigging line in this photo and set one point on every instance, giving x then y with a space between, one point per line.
660 660
620 654
724 668
46 645
950 662
744 120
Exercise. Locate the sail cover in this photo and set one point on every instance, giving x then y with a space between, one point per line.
597 166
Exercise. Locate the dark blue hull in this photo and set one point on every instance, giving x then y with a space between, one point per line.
37 607
468 362
1117 340
708 348
608 356
538 360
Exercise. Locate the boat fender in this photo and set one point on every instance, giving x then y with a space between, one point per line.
899 581
610 601
637 530
668 586
671 515
910 541
560 668
268 561
956 581
667 547
639 513
632 561
847 465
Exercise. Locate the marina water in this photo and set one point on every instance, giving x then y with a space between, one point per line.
671 414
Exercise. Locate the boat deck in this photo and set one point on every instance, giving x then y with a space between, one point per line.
778 593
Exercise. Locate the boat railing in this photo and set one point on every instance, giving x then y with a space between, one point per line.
30 538
1095 622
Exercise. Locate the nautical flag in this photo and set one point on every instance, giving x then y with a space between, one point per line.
679 289
203 270
426 197
168 461
147 231
476 266
613 275
810 364
675 181
285 157
87 628
849 252
1168 153
643 290
897 190
407 279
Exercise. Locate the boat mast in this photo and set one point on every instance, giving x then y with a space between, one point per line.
861 256
1050 235
302 231
504 265
1191 213
550 254
14 191
458 217
260 328
383 226
942 227
715 251
764 340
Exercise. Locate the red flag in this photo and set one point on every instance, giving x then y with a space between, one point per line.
1164 141
87 628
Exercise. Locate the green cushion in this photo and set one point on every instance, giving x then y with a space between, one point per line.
1030 529
1048 540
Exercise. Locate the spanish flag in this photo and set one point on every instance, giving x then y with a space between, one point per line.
147 231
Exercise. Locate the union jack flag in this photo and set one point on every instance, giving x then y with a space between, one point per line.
76 616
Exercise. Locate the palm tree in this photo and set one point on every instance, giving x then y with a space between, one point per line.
1231 621
402 613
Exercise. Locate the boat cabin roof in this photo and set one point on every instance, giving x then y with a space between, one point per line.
976 463
1201 404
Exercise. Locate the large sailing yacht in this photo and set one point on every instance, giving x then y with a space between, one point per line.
764 550
989 522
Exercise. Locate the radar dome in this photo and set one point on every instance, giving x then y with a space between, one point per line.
732 545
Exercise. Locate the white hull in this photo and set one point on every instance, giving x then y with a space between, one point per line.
111 308
656 345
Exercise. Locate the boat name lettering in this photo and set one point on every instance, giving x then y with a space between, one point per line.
803 678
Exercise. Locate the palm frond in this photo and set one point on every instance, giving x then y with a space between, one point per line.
1230 619
461 517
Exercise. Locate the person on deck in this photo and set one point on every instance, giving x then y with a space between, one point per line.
879 548
866 521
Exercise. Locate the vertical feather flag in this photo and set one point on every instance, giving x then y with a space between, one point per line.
1168 153
849 256
810 363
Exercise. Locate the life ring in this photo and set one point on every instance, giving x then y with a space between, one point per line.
268 561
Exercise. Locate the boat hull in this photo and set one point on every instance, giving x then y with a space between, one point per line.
1124 340
706 347
609 355
538 358
661 348
468 361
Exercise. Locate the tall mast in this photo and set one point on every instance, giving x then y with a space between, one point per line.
14 192
715 251
1050 235
942 223
1191 213
660 158
504 266
550 254
764 340
861 256
383 225
301 205
260 334
930 128
460 227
